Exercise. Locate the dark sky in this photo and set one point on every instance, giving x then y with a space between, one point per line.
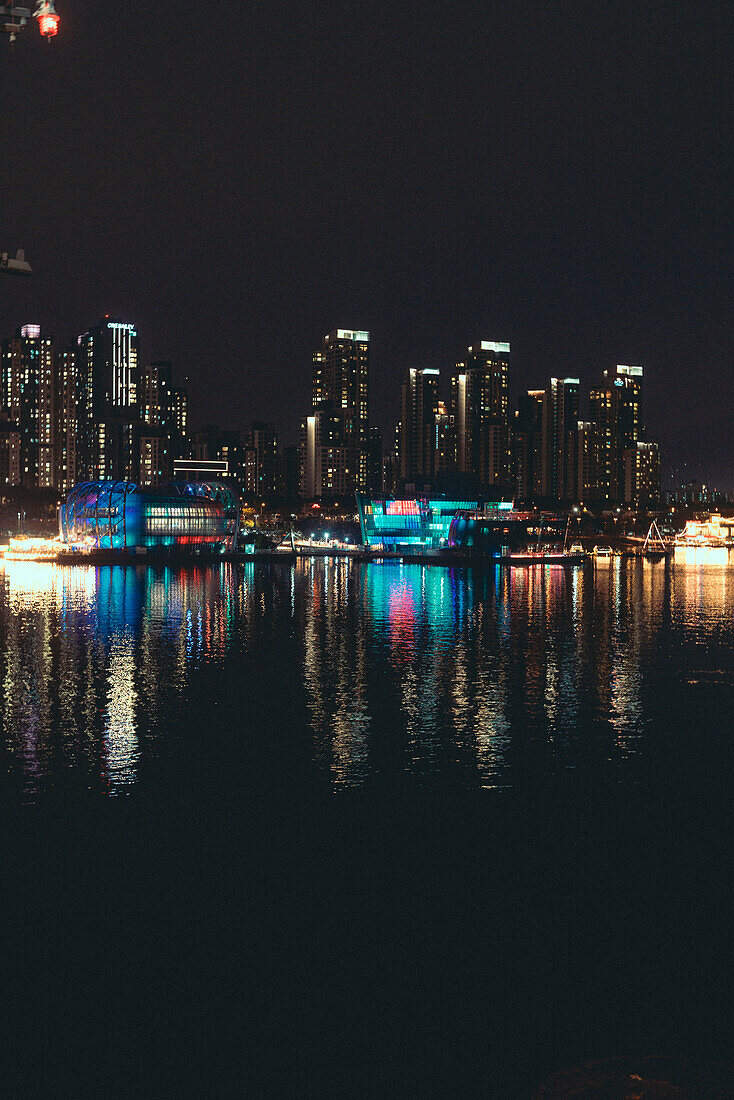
240 178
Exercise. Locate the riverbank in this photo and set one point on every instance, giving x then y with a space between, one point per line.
447 557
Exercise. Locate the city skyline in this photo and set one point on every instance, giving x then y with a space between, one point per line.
682 462
155 379
574 204
99 410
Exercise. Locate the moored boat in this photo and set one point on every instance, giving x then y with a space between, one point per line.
715 531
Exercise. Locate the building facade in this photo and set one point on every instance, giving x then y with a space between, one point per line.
263 468
561 447
530 446
9 451
419 409
374 460
335 436
614 408
118 515
67 420
29 401
585 454
480 402
109 407
642 475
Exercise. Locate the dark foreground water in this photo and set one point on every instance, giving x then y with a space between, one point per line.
374 830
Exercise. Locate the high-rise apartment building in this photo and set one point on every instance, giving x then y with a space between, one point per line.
335 437
249 463
67 420
107 361
444 441
156 395
418 421
480 398
181 412
614 407
9 428
163 428
374 460
327 463
27 385
530 438
562 451
9 451
391 463
217 454
642 475
585 456
263 443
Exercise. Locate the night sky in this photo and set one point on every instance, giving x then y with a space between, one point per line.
240 178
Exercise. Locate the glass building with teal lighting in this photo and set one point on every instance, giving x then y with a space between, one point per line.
417 524
117 515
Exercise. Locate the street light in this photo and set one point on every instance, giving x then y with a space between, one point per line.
13 18
48 20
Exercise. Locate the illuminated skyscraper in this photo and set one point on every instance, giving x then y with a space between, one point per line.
263 443
28 397
181 414
584 463
156 395
444 441
327 461
335 437
562 445
9 451
418 421
614 408
107 360
480 397
163 429
530 438
374 463
642 475
67 419
391 463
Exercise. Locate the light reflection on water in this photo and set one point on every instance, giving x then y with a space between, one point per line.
358 673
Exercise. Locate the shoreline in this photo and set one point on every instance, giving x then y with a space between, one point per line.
451 558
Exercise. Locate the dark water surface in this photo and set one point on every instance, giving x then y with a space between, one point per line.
343 675
371 830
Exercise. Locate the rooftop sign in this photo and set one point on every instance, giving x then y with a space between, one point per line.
349 334
491 345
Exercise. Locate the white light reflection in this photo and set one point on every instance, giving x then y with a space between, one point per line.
120 737
71 586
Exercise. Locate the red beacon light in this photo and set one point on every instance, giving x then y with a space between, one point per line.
48 20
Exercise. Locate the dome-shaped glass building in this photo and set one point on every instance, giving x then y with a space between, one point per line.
118 515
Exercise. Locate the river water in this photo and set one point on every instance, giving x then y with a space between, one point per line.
363 829
333 675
